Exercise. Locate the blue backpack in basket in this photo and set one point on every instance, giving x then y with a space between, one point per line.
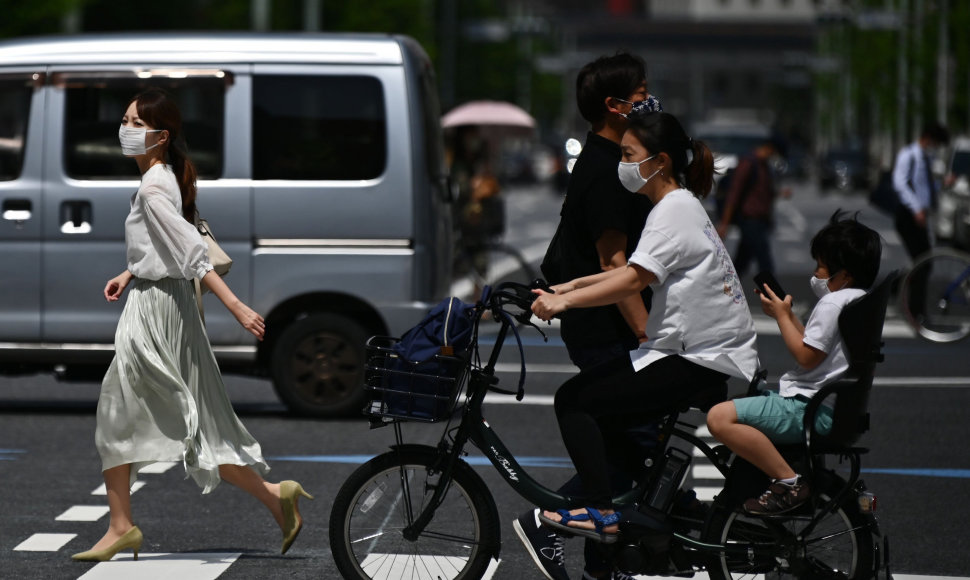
448 329
430 359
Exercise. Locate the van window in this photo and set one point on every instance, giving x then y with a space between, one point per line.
95 109
318 127
15 93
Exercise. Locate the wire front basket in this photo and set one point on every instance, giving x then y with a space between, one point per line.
412 390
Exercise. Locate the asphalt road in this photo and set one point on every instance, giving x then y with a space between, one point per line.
918 466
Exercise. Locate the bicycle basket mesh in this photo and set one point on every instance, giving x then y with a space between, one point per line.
413 390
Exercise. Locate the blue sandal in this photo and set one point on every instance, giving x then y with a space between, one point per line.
599 522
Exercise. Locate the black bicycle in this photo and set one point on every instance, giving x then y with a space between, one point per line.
420 511
934 296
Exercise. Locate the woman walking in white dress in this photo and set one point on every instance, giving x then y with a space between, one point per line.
163 398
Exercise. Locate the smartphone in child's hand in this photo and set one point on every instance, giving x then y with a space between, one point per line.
765 278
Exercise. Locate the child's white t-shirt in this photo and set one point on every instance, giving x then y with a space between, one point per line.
822 332
698 310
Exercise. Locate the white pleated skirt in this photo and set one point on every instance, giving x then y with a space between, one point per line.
163 398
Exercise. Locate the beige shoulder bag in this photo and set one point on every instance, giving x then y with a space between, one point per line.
220 260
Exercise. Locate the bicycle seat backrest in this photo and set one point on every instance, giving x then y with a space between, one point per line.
860 325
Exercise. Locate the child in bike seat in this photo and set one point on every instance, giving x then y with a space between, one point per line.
847 257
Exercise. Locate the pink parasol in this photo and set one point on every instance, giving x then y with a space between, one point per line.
488 113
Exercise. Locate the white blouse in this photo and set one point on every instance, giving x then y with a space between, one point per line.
160 243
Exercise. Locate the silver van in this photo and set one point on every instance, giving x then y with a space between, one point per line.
321 173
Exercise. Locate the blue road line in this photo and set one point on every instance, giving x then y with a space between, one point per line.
921 472
10 454
565 463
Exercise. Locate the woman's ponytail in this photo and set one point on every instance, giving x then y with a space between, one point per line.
699 172
186 175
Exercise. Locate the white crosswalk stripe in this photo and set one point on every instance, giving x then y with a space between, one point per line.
83 513
193 566
44 542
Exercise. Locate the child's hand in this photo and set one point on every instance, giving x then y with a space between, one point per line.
772 305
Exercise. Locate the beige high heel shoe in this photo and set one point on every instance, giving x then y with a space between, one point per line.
131 539
290 492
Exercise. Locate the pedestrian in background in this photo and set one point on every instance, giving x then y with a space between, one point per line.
480 208
163 398
750 203
917 190
600 224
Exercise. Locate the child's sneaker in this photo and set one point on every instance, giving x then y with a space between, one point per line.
779 498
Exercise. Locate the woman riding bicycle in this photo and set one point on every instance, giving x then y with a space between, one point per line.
700 329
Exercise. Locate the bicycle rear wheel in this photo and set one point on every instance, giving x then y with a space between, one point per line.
840 546
934 296
386 494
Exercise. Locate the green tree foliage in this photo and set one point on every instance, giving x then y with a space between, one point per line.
863 70
484 68
34 17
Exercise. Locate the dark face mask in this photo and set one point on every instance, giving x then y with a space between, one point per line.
649 105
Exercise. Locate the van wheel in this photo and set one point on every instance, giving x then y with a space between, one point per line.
318 365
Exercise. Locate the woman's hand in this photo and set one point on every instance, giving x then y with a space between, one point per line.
772 305
116 286
250 320
563 288
546 306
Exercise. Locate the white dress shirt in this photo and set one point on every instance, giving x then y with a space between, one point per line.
911 179
160 243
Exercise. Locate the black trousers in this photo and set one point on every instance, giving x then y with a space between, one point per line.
916 239
594 404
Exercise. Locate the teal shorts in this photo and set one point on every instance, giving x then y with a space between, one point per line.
780 418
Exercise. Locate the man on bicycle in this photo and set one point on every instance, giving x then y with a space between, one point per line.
600 225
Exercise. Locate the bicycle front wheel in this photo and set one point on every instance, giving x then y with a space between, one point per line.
386 494
934 296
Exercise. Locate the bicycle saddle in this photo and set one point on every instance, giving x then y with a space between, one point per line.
706 398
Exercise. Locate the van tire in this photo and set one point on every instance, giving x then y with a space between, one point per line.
318 365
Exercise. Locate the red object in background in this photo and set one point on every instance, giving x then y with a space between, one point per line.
620 7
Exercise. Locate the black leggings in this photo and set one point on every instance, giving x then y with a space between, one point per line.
612 396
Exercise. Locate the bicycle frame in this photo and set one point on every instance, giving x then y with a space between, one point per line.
475 428
952 287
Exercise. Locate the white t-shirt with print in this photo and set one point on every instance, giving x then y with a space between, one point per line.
822 332
698 310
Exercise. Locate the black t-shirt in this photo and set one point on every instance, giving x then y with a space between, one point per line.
596 201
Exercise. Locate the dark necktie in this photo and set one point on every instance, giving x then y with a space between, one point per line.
929 180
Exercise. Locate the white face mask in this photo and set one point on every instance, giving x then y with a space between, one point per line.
820 286
133 140
630 177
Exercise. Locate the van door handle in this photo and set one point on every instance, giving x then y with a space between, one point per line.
76 217
16 210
